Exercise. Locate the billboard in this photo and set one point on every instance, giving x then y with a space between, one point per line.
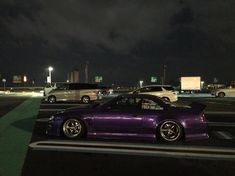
190 83
17 79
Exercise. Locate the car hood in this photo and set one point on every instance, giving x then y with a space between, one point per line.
85 109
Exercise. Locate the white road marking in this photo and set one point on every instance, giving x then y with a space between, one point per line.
49 104
50 110
220 112
223 135
221 124
42 120
136 149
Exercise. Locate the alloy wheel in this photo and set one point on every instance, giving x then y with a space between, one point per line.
86 99
170 131
52 99
72 128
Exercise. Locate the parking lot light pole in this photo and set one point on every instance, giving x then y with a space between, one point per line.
50 69
4 84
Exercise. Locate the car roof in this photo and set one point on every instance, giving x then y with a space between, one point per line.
140 96
157 86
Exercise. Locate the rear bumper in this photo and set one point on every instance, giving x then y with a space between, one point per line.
198 132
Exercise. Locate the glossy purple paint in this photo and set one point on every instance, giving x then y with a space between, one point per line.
132 124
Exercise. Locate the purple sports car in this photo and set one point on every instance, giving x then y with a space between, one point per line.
132 116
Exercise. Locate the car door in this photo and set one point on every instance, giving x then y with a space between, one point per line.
64 92
230 92
119 119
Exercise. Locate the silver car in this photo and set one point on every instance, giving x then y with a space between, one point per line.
74 92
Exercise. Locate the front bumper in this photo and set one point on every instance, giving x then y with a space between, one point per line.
54 126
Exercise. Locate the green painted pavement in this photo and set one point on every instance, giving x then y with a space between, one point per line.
15 133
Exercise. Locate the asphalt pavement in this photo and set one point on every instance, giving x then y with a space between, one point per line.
8 103
24 116
15 131
57 156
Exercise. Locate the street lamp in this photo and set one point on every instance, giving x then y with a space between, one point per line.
4 83
50 69
141 83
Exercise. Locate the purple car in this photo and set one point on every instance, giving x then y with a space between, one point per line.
132 116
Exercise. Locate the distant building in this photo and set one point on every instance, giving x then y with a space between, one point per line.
73 76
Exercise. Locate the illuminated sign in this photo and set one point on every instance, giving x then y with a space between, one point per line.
154 79
191 83
17 79
98 79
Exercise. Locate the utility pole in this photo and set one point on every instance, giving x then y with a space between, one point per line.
86 72
164 74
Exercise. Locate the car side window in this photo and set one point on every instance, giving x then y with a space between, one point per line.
63 87
145 89
148 104
126 103
156 89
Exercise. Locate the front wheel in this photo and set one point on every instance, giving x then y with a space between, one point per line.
52 99
86 99
73 128
170 131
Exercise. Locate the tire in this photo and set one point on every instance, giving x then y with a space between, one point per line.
73 128
170 131
86 99
51 99
166 99
221 94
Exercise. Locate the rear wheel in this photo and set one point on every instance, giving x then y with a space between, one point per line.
73 128
170 131
86 99
221 94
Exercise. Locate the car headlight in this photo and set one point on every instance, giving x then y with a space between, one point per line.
51 118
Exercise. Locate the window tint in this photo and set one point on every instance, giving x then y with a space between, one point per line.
145 89
168 88
83 86
148 104
63 87
126 103
153 89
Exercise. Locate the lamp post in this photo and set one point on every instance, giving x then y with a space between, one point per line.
50 69
141 83
4 83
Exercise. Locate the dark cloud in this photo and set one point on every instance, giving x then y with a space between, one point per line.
124 40
111 24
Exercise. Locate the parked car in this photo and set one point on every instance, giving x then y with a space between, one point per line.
131 116
104 90
226 92
73 92
164 91
49 87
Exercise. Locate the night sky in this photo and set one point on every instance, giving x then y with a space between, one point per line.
123 40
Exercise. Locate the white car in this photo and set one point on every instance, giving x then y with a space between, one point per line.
226 92
164 91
